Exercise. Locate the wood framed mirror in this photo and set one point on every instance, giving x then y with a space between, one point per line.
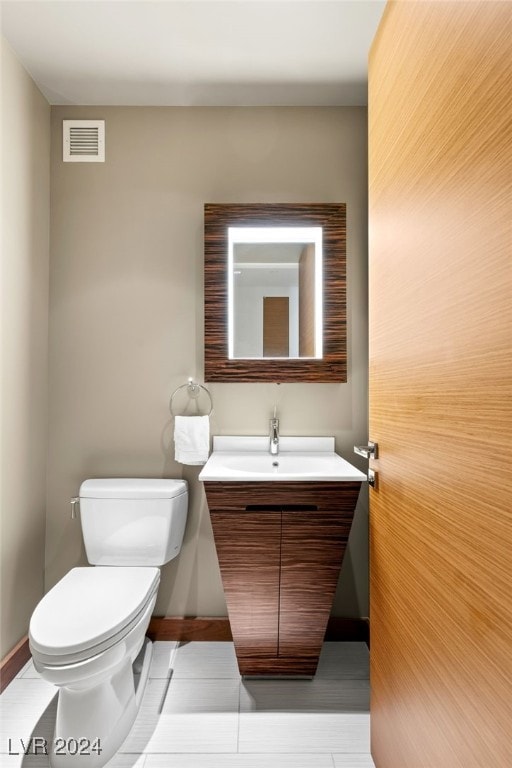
256 253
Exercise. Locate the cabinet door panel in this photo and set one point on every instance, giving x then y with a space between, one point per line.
312 549
248 547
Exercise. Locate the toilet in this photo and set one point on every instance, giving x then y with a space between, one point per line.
87 635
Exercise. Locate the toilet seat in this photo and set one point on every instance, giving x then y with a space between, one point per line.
90 610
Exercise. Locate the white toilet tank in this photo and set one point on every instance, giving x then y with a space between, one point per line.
133 521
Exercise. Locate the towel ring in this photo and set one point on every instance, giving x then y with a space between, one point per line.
193 391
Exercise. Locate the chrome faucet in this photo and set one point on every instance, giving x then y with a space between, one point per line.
274 435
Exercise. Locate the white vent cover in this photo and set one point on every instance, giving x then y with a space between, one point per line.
83 141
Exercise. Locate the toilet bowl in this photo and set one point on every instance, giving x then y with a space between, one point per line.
89 629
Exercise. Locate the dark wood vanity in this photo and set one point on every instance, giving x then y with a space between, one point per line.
280 548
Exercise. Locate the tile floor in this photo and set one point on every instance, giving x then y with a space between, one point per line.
198 713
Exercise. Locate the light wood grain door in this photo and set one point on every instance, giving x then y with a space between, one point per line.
440 117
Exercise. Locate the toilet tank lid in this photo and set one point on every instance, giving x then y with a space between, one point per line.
132 488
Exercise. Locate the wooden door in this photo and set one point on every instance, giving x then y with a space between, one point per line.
276 326
440 116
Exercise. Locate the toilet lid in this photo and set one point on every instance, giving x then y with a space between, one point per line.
89 606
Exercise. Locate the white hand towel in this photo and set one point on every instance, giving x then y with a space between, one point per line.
191 439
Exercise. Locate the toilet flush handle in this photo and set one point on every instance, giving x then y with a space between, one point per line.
74 502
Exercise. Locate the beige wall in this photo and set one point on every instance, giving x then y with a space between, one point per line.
25 255
126 309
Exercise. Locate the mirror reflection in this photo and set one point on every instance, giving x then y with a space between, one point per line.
275 292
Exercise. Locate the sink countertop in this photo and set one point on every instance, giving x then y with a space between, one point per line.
309 459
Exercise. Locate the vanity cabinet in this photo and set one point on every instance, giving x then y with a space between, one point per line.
280 548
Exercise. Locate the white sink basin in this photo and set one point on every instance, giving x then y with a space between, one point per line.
299 458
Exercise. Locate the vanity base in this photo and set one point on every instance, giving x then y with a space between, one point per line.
304 678
297 667
280 548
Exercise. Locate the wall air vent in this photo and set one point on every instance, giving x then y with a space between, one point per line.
83 141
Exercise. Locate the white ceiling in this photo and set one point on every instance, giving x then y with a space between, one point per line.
195 52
